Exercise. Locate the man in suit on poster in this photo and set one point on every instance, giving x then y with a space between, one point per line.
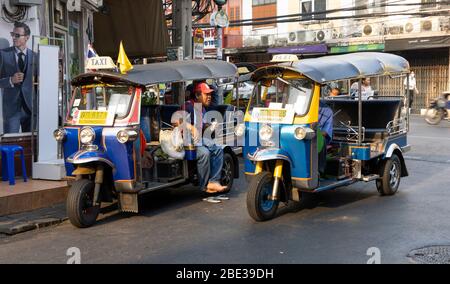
16 80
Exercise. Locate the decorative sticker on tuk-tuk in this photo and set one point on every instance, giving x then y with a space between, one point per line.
92 117
271 115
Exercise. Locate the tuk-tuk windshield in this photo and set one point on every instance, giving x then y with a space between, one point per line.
115 100
283 94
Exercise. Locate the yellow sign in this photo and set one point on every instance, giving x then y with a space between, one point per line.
268 115
275 114
92 117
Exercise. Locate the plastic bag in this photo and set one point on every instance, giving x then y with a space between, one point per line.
171 143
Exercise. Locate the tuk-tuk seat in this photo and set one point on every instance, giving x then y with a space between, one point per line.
377 113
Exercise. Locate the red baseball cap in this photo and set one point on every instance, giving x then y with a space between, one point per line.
203 88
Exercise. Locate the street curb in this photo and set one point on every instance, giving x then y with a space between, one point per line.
29 226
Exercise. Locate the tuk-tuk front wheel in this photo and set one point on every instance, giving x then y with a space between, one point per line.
227 172
80 204
391 171
259 204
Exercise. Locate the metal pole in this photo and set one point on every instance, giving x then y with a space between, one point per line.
182 21
219 43
359 112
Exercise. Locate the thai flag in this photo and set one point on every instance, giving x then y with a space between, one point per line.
91 51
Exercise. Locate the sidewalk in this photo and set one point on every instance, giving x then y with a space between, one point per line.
31 205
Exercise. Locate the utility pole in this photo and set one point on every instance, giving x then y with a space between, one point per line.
182 23
219 32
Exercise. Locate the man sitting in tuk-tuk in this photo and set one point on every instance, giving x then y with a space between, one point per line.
209 155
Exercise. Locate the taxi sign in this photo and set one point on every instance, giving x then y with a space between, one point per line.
100 62
279 58
243 70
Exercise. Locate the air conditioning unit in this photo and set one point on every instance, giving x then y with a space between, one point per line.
281 41
430 25
267 40
292 38
306 36
426 26
372 29
252 42
444 24
412 27
323 35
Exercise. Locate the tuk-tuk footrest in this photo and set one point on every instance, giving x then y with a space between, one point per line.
128 202
370 177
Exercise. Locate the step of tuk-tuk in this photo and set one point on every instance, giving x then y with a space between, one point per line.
370 177
325 185
152 186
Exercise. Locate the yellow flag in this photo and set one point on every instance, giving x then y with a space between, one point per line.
123 61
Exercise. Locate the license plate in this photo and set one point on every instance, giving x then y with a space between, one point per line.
93 117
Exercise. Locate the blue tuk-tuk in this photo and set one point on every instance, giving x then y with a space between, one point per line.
283 138
112 140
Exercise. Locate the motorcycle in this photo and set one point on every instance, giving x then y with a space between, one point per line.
439 109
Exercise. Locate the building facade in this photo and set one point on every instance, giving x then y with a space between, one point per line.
417 30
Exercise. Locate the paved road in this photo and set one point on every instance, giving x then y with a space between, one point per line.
177 227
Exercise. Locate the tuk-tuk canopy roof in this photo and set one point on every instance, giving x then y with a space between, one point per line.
340 67
165 72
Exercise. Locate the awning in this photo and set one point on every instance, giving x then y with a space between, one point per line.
301 49
417 43
140 24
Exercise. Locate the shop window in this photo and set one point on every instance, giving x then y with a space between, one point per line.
313 6
59 13
263 9
428 4
263 2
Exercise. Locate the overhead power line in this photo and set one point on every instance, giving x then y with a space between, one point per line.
302 17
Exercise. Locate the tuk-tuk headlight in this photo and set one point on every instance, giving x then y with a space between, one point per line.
125 135
240 130
301 133
87 135
59 134
265 133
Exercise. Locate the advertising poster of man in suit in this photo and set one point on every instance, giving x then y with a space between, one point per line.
16 81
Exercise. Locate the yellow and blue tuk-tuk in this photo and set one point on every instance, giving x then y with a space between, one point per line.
112 143
283 138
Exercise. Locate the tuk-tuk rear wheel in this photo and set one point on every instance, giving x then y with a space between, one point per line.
80 209
391 171
259 205
227 172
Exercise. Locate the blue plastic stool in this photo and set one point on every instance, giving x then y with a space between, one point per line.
8 169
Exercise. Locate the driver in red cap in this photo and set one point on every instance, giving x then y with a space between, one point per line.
209 155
